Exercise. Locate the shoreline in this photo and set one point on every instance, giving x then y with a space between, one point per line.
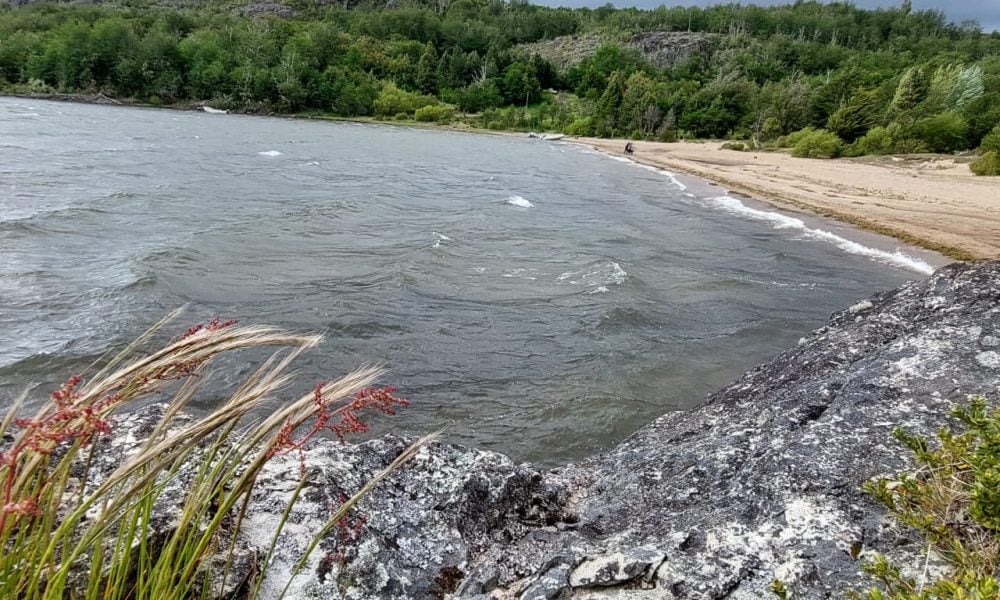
970 230
926 202
103 100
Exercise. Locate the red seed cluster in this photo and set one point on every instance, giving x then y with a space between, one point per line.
213 325
65 421
341 421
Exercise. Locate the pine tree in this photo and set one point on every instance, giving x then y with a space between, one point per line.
427 67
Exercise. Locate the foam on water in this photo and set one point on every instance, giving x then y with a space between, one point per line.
602 274
440 238
669 175
519 201
270 153
781 221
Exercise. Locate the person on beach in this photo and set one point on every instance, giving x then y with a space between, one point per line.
629 149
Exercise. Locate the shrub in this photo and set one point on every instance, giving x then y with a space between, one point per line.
771 129
737 146
942 133
63 534
854 117
584 126
818 144
434 113
477 97
991 143
953 501
911 146
987 164
790 140
877 141
392 100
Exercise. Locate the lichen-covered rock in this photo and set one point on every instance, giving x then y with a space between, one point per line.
762 482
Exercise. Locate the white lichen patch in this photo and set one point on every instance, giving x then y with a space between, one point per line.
861 307
989 359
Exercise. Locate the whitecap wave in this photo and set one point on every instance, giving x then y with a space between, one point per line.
780 221
270 153
519 201
440 238
600 274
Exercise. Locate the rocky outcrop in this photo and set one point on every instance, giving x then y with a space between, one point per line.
267 9
661 48
762 482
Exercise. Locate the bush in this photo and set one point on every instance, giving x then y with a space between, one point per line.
942 133
911 146
477 97
402 116
818 144
583 126
392 100
877 141
666 134
854 117
737 146
991 143
771 129
987 164
952 500
790 140
434 113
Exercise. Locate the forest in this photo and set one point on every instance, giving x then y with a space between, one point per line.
824 80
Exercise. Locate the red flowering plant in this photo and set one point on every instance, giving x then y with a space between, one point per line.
67 532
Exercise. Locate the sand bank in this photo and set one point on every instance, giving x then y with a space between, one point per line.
930 201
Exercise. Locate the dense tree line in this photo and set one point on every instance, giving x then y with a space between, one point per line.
826 79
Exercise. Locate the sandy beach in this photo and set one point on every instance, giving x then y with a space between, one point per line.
933 202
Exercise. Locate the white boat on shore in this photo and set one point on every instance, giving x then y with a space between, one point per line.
214 111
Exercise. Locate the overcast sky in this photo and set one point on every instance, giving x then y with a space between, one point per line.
987 12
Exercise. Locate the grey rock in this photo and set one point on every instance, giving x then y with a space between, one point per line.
617 568
553 584
661 48
761 482
267 8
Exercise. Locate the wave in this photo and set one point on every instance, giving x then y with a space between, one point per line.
519 201
270 153
668 174
600 274
440 238
36 221
780 221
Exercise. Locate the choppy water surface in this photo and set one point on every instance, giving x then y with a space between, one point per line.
539 299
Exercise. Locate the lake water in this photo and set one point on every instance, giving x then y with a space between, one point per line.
534 297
